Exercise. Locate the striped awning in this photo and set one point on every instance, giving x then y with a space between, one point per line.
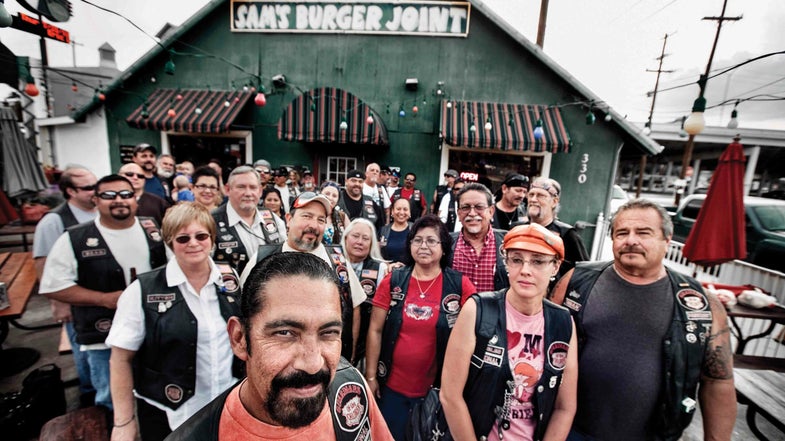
511 126
197 111
317 115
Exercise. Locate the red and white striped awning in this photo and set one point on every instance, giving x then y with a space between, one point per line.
511 126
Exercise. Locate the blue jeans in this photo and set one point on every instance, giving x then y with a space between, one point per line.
396 409
99 375
80 361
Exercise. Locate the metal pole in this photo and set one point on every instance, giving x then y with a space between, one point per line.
541 26
45 78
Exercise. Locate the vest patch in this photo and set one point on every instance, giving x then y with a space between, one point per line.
103 325
557 355
351 406
94 253
692 300
226 237
174 393
572 304
493 355
343 274
381 369
369 274
156 298
92 242
369 287
451 303
147 223
231 284
227 245
156 236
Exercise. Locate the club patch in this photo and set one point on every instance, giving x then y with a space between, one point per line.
156 298
343 274
351 406
369 287
92 242
155 236
692 300
147 223
572 304
94 253
557 354
370 274
231 284
103 325
381 369
493 355
451 304
174 393
229 245
226 237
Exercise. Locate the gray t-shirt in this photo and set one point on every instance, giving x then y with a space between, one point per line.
620 364
51 227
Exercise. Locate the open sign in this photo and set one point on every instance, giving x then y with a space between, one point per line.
470 177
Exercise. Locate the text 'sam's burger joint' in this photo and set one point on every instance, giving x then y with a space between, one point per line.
420 85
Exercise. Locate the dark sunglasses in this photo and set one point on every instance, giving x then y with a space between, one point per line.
132 174
264 172
200 237
110 195
86 188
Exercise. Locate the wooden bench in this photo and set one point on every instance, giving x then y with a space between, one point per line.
763 391
758 362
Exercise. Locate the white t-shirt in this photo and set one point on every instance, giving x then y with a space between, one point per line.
358 294
50 227
373 192
213 350
250 235
284 197
444 207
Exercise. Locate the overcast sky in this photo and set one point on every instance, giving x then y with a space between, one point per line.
606 44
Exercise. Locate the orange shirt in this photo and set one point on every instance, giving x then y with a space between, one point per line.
237 424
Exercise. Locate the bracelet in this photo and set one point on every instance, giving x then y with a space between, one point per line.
133 417
370 379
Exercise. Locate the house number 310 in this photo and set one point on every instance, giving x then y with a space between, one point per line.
584 168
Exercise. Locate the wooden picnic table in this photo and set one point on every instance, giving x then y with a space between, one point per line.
763 391
775 315
18 230
17 271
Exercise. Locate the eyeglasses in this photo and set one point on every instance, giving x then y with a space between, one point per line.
536 263
206 187
430 242
185 238
264 172
110 195
132 174
86 187
466 208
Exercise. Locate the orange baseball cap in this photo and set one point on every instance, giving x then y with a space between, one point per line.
535 238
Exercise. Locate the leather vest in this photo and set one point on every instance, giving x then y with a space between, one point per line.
416 202
490 378
500 278
66 215
98 270
229 247
165 364
450 306
452 213
683 345
368 278
341 268
441 191
368 210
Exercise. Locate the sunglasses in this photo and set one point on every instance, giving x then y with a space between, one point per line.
132 174
110 195
264 172
184 239
86 187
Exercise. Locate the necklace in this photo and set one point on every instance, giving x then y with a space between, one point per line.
423 291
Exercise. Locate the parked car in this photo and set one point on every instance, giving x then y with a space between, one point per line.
618 198
765 228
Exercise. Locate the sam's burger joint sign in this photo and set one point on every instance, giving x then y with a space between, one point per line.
435 18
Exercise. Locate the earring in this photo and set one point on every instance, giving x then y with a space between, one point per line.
553 277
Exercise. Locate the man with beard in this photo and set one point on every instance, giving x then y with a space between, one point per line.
476 249
355 204
414 195
144 156
242 227
543 206
308 182
90 265
165 170
376 192
306 222
509 209
147 204
648 338
298 386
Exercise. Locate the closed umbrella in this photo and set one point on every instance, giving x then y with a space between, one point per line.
719 232
21 171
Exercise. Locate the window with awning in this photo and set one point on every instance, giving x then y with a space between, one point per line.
331 115
500 126
194 110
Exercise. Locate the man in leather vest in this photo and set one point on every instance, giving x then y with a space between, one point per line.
242 227
448 207
77 185
543 206
373 188
90 265
414 195
297 385
648 337
510 209
306 230
356 204
441 190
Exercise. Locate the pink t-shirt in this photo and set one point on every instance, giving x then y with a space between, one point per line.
414 355
525 343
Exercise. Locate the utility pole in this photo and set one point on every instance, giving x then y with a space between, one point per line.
74 44
700 104
647 127
45 77
543 20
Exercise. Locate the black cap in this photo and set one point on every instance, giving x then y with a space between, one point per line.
516 180
145 147
307 171
355 174
451 173
281 171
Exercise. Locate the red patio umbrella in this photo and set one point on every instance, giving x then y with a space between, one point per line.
719 232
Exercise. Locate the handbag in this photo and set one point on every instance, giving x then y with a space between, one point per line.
427 421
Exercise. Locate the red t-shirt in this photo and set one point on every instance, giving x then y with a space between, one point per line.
407 194
414 355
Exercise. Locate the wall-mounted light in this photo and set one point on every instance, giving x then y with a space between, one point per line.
411 84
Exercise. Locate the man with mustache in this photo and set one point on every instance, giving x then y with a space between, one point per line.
147 204
356 204
165 170
144 156
648 338
90 265
306 222
298 386
476 249
242 225
510 208
543 207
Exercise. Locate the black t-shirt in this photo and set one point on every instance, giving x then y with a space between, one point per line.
503 219
353 208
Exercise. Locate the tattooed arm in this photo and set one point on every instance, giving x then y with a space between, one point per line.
717 395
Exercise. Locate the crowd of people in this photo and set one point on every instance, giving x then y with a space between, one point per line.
273 307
